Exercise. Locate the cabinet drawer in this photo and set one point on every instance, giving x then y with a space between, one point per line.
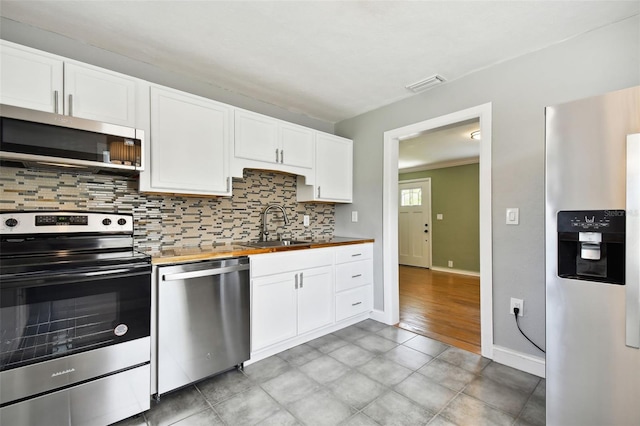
354 253
353 302
354 274
275 263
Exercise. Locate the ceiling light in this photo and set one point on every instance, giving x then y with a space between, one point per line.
475 135
425 84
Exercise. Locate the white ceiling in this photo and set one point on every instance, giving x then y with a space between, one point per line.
330 60
445 146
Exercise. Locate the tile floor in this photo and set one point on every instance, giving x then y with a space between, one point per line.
366 374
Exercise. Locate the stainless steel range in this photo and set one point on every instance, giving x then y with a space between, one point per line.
74 319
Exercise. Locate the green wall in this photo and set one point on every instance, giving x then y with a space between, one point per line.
455 193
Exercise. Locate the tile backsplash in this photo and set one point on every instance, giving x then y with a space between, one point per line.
168 221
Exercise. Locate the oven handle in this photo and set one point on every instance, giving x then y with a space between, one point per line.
69 277
204 273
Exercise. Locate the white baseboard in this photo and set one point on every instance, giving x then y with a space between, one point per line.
518 360
380 316
455 271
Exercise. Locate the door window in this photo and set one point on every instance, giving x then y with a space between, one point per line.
411 197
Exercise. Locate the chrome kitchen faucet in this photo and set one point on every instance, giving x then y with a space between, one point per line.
265 228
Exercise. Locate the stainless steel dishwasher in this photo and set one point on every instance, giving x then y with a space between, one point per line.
203 320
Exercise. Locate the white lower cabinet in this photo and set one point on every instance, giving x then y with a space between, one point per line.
315 294
292 294
301 295
353 302
274 310
354 280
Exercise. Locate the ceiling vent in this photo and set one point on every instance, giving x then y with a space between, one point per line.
425 84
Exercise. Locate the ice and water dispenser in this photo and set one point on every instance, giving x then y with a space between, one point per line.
591 245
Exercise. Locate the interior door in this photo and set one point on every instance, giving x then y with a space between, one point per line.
414 223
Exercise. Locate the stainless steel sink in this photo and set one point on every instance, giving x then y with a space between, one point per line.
278 243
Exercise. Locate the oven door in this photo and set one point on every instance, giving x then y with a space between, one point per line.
68 326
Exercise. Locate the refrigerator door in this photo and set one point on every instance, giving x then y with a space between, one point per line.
592 376
633 241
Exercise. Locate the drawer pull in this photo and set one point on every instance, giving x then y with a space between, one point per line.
356 304
356 276
356 255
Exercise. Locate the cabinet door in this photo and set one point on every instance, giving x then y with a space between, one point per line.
296 143
315 298
30 80
273 307
334 168
256 137
99 95
189 146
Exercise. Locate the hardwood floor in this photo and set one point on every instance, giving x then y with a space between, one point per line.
441 305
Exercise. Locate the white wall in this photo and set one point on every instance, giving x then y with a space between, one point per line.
596 62
64 46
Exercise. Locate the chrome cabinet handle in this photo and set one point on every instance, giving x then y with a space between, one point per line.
301 278
282 156
277 151
228 184
356 276
356 255
70 104
356 304
55 101
318 192
296 281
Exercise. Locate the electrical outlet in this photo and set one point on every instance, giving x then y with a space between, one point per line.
305 220
450 263
517 303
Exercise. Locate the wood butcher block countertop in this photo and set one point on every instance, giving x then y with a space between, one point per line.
194 254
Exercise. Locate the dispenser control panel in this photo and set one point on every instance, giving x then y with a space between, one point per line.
604 221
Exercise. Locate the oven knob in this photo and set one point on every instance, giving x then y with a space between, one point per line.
106 222
122 221
11 222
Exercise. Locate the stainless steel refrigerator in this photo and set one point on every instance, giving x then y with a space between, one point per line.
592 228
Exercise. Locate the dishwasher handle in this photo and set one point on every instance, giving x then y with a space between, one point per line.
204 273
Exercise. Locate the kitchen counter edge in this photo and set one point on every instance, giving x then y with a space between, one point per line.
194 254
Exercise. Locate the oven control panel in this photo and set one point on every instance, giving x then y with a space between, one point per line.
38 222
55 220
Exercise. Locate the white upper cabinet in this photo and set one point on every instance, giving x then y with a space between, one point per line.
30 79
98 94
333 171
37 80
256 137
296 145
189 143
276 144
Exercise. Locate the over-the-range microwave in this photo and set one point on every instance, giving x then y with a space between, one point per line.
42 139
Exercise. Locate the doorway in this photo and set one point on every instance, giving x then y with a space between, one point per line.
414 220
392 139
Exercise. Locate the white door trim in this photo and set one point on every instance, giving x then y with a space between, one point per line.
391 312
428 182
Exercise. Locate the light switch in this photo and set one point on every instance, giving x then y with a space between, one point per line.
439 216
513 216
305 220
354 216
